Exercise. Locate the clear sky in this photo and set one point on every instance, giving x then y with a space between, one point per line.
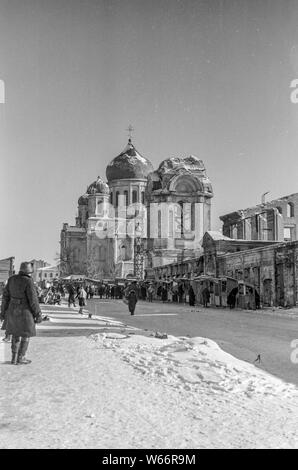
204 77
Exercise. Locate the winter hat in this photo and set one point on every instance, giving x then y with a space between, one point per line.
26 267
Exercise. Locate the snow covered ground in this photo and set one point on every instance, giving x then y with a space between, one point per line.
126 389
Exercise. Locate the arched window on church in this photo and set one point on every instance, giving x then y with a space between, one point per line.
117 198
111 197
171 224
181 219
134 196
143 197
193 217
290 209
126 198
159 224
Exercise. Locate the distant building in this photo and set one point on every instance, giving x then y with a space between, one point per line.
275 220
47 274
6 268
37 264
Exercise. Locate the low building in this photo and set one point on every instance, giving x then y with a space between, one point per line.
6 268
269 267
37 264
47 274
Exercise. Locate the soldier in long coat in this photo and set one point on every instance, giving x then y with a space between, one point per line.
20 310
132 301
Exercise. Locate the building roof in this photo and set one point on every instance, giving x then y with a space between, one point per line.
48 268
129 164
217 235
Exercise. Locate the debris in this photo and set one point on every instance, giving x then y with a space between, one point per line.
92 415
160 335
258 359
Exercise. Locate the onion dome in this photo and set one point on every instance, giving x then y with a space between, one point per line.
83 200
98 187
129 164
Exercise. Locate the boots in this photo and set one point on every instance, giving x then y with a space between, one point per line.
23 360
22 351
14 358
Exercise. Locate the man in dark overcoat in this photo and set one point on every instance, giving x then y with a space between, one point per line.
132 301
20 310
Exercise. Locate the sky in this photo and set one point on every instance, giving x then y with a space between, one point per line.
208 78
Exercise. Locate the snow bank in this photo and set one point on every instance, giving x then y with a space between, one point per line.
194 364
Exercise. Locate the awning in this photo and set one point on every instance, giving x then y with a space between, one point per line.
74 277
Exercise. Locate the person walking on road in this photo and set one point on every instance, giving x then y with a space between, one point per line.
206 296
21 311
132 301
192 297
71 296
150 293
82 296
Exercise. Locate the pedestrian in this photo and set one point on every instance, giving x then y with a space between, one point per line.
164 293
206 296
257 299
192 296
71 296
88 291
81 295
112 292
180 293
231 299
20 310
132 301
91 291
143 292
150 293
108 290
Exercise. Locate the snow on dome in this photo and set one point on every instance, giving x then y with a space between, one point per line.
98 186
129 164
83 200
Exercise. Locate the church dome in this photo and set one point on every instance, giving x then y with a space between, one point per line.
129 164
83 200
98 187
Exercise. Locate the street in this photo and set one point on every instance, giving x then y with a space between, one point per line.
104 391
244 334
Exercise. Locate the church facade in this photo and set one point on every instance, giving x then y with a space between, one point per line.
140 218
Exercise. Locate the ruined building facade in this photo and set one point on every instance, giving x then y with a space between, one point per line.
275 220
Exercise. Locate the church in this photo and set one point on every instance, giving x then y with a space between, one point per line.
138 219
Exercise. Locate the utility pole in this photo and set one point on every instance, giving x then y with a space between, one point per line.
138 253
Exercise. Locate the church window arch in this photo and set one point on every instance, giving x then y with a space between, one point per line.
290 209
181 219
193 216
159 224
134 196
126 198
171 223
117 198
